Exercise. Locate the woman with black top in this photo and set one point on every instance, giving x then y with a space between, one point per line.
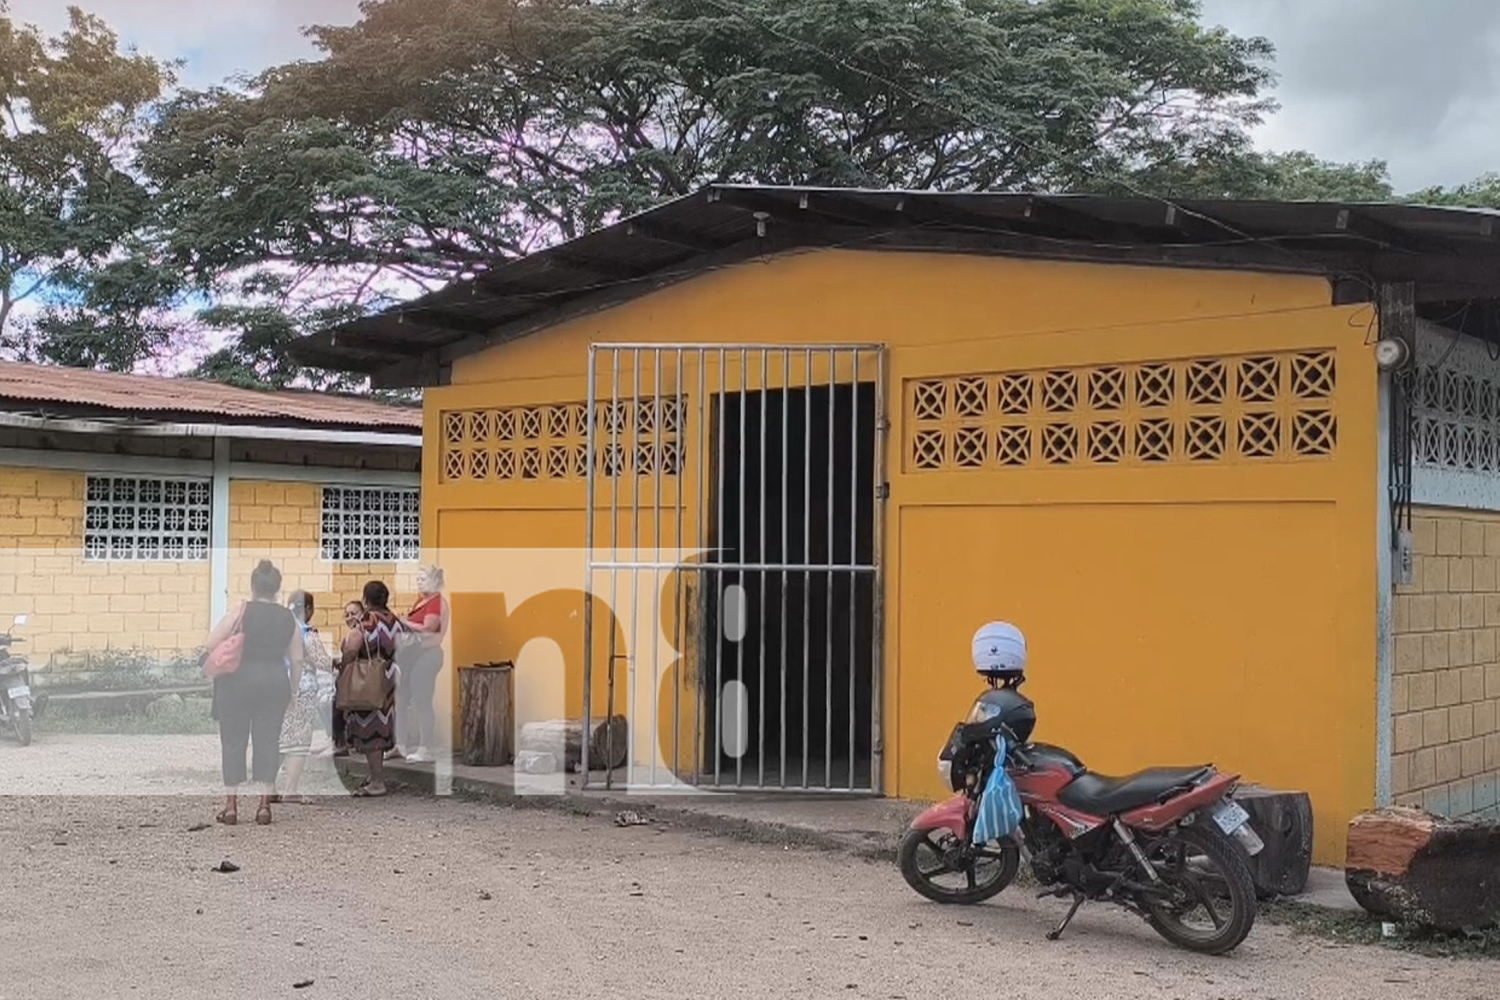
253 700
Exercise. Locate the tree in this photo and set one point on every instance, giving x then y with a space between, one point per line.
71 210
1482 192
434 140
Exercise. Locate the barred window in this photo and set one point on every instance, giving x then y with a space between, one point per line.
371 524
147 519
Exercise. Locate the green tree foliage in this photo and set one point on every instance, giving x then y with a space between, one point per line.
72 211
1482 192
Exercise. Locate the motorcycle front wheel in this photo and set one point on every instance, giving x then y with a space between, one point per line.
925 857
1213 905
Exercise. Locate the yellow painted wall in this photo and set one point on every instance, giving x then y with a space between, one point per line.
1178 611
77 606
1445 695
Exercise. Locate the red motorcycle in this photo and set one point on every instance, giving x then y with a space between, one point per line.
1169 844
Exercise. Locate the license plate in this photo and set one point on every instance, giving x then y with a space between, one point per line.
1230 816
19 691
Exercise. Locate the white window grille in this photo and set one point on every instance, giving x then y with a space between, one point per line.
371 524
147 519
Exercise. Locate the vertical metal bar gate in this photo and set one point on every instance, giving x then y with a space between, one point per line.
768 464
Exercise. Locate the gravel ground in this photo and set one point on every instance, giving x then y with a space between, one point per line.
420 897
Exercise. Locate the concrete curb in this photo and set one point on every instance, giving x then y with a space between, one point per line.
865 845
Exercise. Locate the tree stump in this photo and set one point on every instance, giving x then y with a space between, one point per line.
563 738
487 710
1410 866
1284 821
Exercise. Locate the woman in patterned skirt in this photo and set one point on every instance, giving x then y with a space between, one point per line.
374 638
302 717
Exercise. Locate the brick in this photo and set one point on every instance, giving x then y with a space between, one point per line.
270 533
17 527
1449 688
1449 612
1461 722
1461 575
1450 762
1492 610
1486 793
161 602
111 583
286 515
1461 797
1450 537
1411 800
141 583
1400 773
1422 691
1435 727
1460 648
1434 576
1424 536
107 624
1423 768
127 603
1435 651
1492 680
1471 681
179 622
1473 538
91 604
1486 715
1400 694
256 515
1492 540
1492 752
1485 646
1408 732
60 487
1419 571
36 507
1487 575
1472 751
1471 611
270 494
52 604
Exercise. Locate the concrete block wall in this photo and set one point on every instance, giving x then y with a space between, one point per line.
282 522
74 605
1445 696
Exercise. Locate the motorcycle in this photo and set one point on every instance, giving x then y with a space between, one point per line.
18 706
1168 844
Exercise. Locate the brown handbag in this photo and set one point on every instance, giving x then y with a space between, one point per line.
362 684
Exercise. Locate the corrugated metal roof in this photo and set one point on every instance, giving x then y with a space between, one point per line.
1452 254
76 390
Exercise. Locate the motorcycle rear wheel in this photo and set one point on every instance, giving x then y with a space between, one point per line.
1213 876
921 860
23 728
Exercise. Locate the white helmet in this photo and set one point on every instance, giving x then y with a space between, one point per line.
1000 650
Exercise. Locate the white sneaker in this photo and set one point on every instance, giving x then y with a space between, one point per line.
420 755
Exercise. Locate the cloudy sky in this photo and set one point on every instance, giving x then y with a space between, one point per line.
1413 82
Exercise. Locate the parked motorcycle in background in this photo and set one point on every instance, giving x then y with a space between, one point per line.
1169 844
18 706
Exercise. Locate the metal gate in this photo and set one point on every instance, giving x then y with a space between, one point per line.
734 513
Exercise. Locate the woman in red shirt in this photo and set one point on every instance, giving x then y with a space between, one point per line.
415 716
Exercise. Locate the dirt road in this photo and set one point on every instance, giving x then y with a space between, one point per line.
415 897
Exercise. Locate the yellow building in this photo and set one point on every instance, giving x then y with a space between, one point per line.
132 509
1156 437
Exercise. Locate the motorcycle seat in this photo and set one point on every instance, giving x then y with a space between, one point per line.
1101 795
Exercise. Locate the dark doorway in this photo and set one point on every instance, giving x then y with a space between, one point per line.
793 487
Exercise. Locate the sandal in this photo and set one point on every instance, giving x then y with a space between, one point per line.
227 818
363 792
263 816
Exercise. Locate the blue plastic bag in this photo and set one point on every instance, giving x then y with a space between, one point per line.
1000 805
